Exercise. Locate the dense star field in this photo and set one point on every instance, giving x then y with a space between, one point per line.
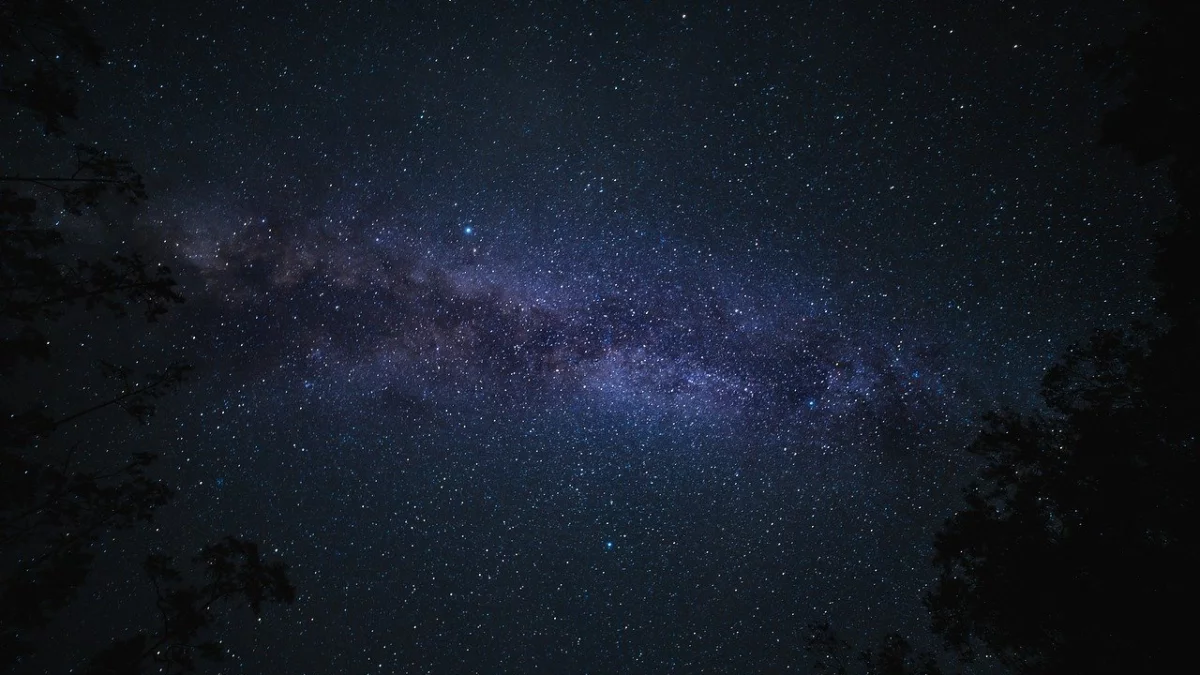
603 336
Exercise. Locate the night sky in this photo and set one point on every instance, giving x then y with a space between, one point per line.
601 337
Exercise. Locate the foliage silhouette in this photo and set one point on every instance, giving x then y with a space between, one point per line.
43 44
1076 550
59 497
894 656
232 571
1156 120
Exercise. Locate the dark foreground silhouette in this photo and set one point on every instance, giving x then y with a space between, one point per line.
61 492
1076 550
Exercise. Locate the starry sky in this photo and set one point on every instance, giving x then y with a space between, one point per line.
600 337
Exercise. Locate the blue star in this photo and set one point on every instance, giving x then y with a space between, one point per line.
608 545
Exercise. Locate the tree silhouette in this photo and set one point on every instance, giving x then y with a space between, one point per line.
43 44
59 496
232 571
1076 550
1156 120
894 656
1075 543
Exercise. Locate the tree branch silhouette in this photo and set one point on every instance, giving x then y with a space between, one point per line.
54 505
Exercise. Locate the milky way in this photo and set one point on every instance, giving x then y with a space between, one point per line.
607 337
646 330
470 407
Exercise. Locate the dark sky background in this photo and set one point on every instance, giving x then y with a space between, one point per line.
599 337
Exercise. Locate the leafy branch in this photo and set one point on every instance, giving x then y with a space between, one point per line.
233 573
